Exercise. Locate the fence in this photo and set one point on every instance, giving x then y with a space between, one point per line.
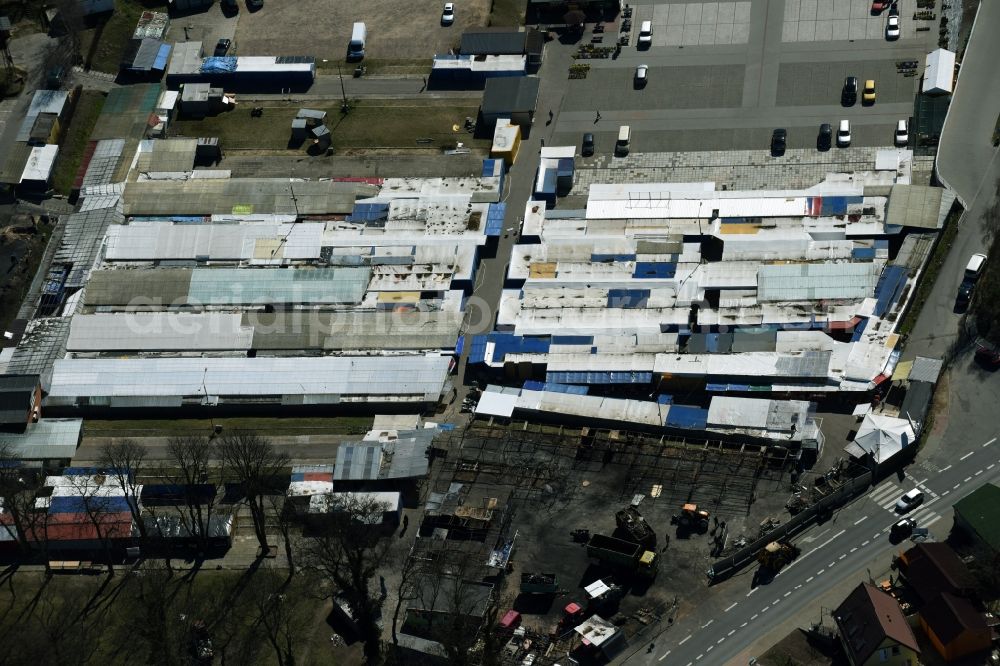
727 566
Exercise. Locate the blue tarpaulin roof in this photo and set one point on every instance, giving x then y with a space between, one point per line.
494 218
572 339
369 212
611 257
889 287
627 298
654 269
533 385
218 64
162 56
683 416
859 329
863 253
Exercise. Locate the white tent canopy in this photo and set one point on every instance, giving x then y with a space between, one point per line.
881 437
939 72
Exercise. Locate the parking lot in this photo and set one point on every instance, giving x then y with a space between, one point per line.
320 28
723 75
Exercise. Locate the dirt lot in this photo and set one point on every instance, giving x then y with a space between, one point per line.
396 31
370 124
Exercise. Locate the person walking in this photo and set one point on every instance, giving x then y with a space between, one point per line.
598 117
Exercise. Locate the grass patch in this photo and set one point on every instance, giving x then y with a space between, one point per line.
88 108
934 265
340 425
370 124
507 12
103 44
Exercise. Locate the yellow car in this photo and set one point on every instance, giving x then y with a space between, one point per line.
868 94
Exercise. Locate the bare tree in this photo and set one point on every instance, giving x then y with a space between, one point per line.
348 554
99 504
279 614
21 520
123 460
190 462
252 460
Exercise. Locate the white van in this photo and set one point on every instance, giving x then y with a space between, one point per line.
645 35
356 47
844 134
622 144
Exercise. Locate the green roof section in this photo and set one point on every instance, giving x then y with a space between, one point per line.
980 509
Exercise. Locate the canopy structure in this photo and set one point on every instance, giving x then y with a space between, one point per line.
881 437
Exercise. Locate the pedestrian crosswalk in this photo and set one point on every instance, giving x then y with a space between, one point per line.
886 496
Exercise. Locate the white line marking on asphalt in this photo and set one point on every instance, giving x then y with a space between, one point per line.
991 466
710 648
689 663
705 626
854 549
663 656
876 535
686 639
842 556
752 591
731 632
967 479
754 616
719 642
830 565
743 625
787 593
799 586
989 442
944 469
955 487
820 572
698 658
825 543
945 493
860 520
966 455
865 543
810 579
931 522
764 609
730 607
978 473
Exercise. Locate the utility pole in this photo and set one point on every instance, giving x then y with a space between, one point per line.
344 107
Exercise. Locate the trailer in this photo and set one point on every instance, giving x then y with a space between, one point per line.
623 554
538 583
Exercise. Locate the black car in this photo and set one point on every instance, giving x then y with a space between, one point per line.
825 138
230 7
222 47
778 138
849 95
587 148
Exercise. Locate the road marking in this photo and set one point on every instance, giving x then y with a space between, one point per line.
743 625
931 522
842 556
664 656
719 642
989 442
698 658
854 549
830 565
730 607
752 591
764 609
754 616
945 493
991 466
820 572
705 626
865 543
787 593
686 639
967 479
710 648
826 542
810 579
978 473
799 586
876 535
731 632
966 455
955 487
861 520
944 469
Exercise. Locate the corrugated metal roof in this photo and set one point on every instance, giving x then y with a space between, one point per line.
43 101
926 369
807 282
159 331
256 243
418 377
46 439
40 163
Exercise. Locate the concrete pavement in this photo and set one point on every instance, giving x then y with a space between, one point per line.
966 157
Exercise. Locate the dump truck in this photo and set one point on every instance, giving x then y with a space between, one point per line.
538 583
631 521
777 554
623 554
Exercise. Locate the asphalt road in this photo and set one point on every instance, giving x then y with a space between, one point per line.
829 552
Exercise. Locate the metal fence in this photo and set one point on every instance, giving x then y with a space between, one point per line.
727 566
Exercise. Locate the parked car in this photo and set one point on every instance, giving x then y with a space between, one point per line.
448 13
222 47
892 28
868 94
825 137
587 148
902 529
230 6
972 272
909 501
879 6
844 134
849 95
902 135
641 76
779 138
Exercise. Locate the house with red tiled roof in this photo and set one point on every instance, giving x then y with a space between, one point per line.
873 629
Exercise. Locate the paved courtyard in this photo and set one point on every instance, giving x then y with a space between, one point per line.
829 20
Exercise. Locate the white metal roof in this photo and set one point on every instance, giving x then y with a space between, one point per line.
806 282
40 163
259 243
939 72
159 331
373 376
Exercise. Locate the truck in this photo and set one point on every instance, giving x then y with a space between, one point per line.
623 554
777 554
631 521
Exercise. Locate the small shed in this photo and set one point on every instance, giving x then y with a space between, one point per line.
38 170
939 73
311 116
299 129
513 98
200 99
506 141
